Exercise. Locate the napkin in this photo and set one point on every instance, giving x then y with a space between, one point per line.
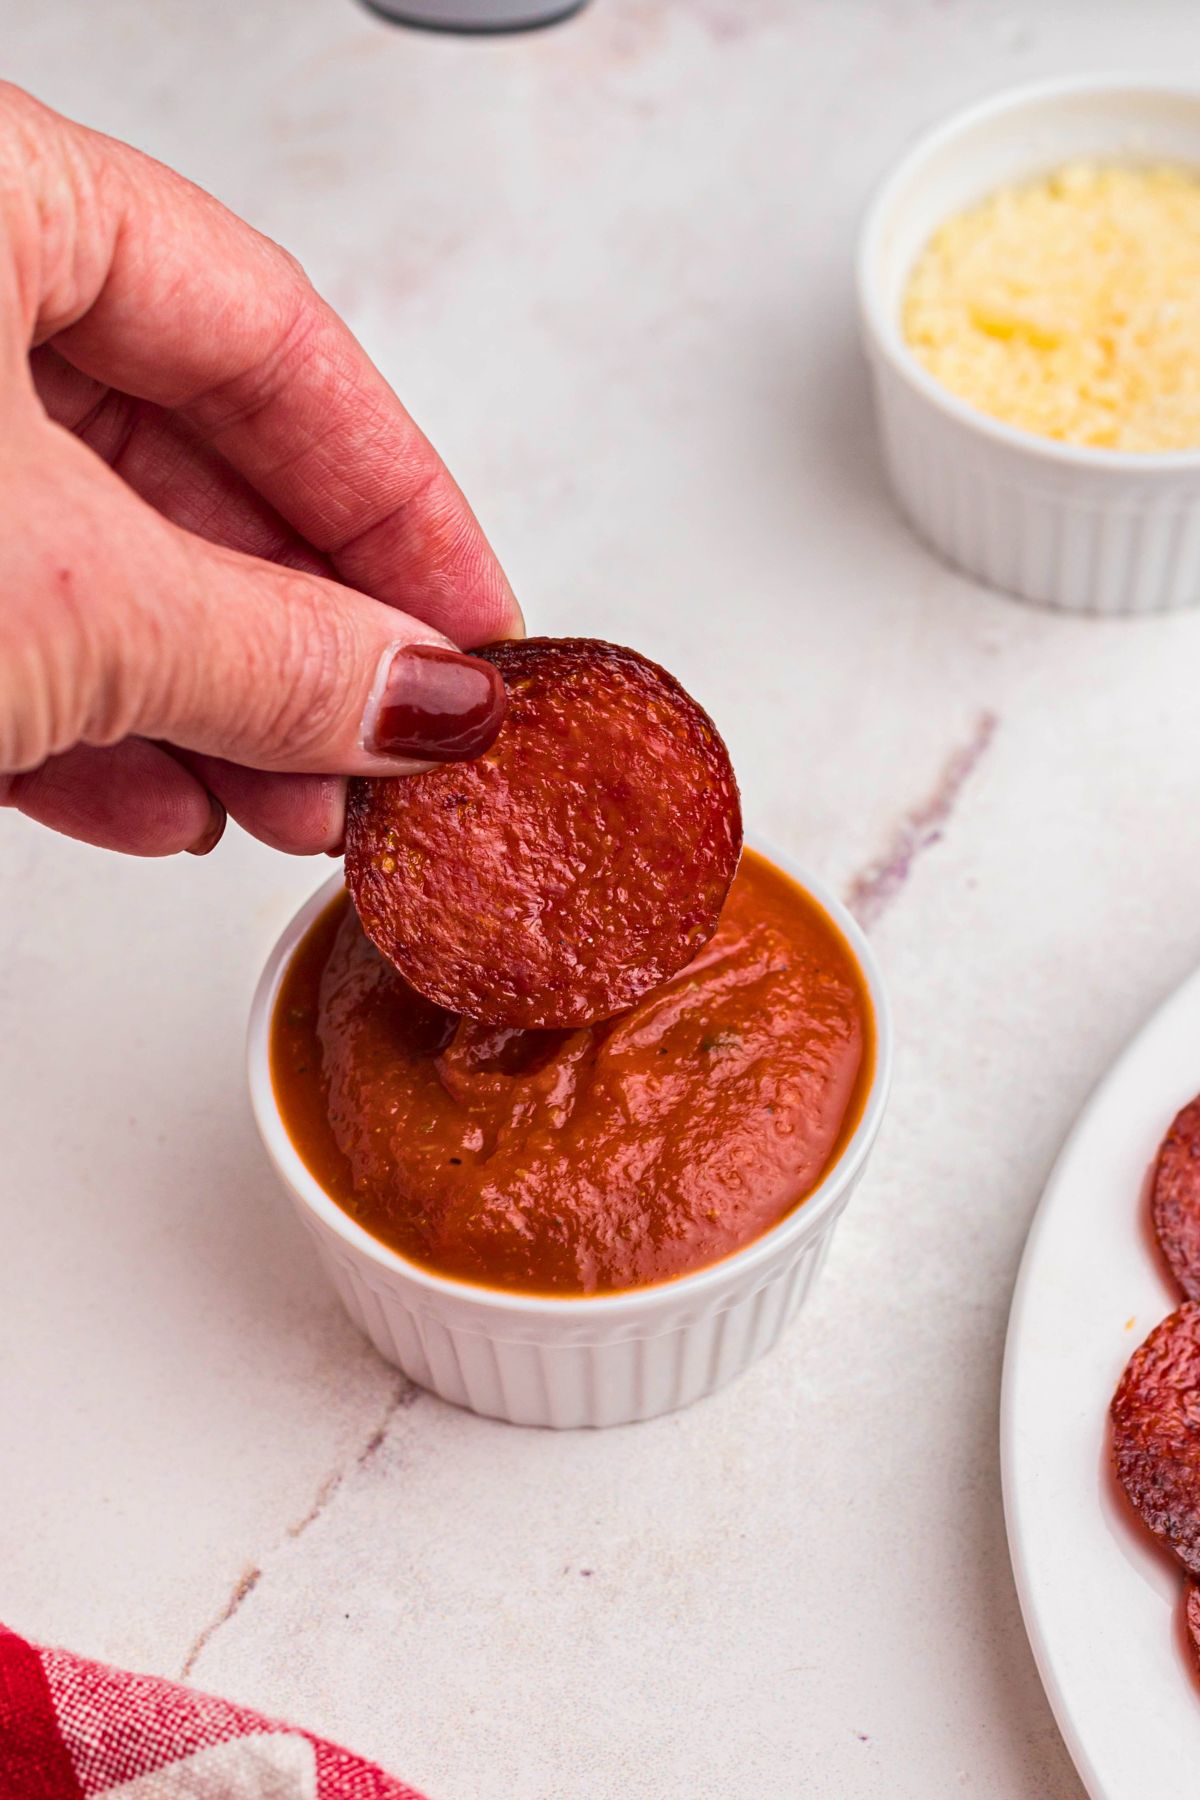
71 1729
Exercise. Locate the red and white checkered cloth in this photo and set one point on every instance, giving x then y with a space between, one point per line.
76 1730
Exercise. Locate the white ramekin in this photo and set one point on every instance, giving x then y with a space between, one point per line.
563 1362
1093 531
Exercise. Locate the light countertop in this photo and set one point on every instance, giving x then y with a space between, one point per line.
608 267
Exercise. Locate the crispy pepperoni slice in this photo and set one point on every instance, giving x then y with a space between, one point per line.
1175 1199
1191 1613
1156 1433
578 863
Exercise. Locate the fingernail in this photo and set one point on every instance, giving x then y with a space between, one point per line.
209 839
437 705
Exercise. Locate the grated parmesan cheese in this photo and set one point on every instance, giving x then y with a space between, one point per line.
1071 307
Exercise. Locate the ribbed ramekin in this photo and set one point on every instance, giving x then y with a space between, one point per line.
605 1360
1093 531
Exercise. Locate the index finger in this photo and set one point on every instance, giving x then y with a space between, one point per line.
172 298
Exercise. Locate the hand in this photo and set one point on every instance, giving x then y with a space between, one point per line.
232 571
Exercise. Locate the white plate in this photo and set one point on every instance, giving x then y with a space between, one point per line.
1102 1605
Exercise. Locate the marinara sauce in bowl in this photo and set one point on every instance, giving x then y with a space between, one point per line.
577 1227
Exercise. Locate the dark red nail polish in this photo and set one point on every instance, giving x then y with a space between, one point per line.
208 840
437 706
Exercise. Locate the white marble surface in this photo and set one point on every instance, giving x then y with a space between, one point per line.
608 266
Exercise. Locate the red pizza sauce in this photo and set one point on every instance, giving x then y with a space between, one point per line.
585 1161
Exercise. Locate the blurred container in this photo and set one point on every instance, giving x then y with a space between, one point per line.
476 15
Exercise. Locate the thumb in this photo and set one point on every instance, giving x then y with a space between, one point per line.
278 669
126 625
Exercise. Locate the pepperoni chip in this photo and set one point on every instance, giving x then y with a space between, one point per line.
578 863
1156 1433
1191 1605
1175 1199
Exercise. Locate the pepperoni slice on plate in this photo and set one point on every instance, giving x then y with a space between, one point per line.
1175 1199
1191 1609
578 863
1156 1433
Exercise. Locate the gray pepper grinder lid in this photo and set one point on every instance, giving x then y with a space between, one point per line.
476 15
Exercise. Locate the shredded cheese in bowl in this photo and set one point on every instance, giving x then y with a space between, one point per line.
1070 307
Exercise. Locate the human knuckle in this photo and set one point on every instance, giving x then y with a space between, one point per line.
294 268
291 343
19 109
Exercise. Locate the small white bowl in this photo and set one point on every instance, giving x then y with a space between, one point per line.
1094 531
603 1360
